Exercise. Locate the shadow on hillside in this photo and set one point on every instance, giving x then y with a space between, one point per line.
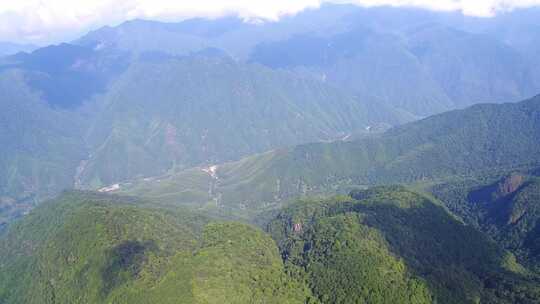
125 261
457 261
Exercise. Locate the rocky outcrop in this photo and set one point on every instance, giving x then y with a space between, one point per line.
510 184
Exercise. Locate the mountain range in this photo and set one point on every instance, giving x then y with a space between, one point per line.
9 48
384 245
325 74
482 139
134 127
340 155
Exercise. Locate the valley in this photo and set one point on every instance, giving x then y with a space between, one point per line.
339 154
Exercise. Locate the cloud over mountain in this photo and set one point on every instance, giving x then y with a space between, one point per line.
54 20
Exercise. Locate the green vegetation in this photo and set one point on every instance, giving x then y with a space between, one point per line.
148 98
91 248
460 144
383 245
40 146
390 245
154 110
223 110
153 117
507 209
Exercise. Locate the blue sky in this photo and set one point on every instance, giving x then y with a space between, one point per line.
49 21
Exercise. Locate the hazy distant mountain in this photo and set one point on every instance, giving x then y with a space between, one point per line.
67 75
44 121
40 146
201 109
424 70
420 61
90 118
361 61
9 48
144 98
473 68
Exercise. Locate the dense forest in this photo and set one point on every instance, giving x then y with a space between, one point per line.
339 154
383 245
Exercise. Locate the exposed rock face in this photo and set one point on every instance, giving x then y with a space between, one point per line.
510 184
297 227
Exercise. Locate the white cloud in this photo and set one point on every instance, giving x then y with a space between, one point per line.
245 8
43 21
481 8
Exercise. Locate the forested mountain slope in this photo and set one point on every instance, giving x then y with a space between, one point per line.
181 112
216 148
91 248
384 245
148 98
40 146
468 142
507 209
81 117
391 245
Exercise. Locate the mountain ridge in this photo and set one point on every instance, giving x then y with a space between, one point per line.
457 143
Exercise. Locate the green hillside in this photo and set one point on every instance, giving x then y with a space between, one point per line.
162 113
384 245
474 141
337 155
40 146
390 245
507 209
91 248
148 98
178 113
